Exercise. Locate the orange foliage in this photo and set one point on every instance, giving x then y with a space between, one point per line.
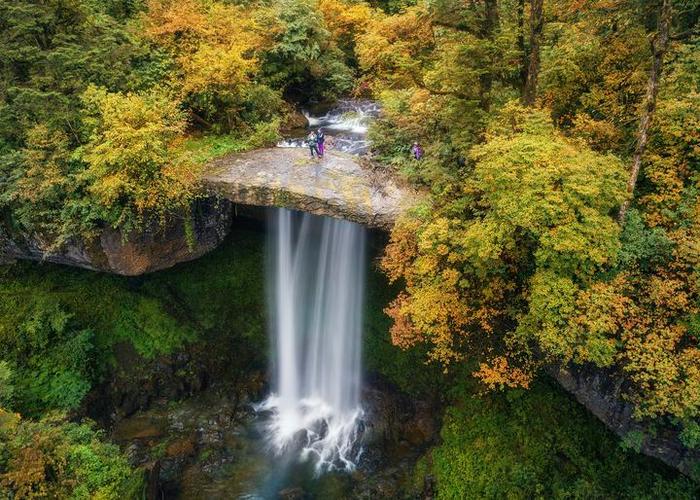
498 374
401 250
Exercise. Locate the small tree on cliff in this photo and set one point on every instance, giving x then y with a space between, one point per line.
133 171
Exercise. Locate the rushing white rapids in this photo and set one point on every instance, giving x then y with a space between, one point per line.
346 123
317 288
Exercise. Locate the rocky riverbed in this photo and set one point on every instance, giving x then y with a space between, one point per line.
210 446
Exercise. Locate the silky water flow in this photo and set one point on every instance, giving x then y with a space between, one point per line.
316 280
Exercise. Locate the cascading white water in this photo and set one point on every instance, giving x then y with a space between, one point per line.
317 288
346 122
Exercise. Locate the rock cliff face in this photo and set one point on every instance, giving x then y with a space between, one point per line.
337 186
602 393
151 250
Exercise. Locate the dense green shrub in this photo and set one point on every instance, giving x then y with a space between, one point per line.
541 444
53 458
52 361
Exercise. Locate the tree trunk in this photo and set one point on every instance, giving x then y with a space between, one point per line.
490 25
521 46
659 46
533 67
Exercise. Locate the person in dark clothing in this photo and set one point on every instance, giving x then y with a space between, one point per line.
321 142
312 142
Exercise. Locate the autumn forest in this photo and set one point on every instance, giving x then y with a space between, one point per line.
556 240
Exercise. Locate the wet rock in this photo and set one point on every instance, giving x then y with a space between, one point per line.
393 418
138 428
291 494
184 447
295 120
152 480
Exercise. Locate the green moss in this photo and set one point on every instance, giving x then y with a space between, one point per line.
541 444
407 369
216 301
115 308
207 147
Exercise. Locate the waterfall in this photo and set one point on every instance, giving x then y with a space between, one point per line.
316 280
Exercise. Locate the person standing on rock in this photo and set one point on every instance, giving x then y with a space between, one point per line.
321 141
417 151
312 141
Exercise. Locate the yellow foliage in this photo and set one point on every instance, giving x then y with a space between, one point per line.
391 48
132 166
215 44
657 357
345 20
498 374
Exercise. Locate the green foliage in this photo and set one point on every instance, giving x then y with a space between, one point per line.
303 60
7 388
106 305
222 294
51 52
219 295
52 360
265 134
643 246
147 325
392 6
53 458
207 147
633 441
540 444
690 435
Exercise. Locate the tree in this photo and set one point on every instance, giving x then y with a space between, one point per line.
218 49
533 65
304 60
504 269
50 52
52 458
490 25
132 171
659 46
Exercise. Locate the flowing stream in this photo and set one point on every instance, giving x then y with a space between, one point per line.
316 280
345 123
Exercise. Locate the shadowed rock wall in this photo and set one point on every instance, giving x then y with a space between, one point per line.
601 391
155 248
